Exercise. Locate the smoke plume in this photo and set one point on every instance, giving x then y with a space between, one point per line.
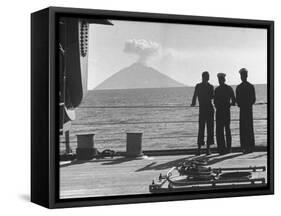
142 48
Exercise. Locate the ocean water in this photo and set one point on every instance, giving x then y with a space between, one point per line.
164 116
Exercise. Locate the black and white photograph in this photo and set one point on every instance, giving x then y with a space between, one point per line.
140 108
154 107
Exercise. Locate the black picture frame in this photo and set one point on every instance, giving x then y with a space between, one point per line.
45 112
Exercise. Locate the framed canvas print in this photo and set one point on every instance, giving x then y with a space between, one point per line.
138 107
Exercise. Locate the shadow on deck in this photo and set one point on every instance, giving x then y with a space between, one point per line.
210 161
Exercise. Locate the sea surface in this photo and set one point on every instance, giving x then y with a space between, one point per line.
162 115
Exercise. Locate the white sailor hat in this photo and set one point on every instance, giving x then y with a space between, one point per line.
243 71
221 75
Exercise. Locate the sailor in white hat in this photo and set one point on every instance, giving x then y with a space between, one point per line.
246 97
224 98
243 71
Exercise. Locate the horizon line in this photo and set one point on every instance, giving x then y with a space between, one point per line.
186 86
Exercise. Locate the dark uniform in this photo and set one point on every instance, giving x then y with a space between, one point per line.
205 94
223 94
246 97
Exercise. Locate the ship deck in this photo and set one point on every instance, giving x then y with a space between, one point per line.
123 176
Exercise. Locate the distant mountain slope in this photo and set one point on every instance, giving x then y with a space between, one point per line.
138 76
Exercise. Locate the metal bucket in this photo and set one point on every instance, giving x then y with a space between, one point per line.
85 147
134 145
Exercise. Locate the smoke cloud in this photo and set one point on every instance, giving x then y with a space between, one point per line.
143 48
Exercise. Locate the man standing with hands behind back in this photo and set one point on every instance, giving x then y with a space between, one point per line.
246 97
223 95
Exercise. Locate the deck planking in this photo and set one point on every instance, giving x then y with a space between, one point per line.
123 176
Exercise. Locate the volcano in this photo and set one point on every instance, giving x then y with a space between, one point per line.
138 76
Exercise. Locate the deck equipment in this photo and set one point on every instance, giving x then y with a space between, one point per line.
195 175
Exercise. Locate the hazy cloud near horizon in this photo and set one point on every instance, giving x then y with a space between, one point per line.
179 51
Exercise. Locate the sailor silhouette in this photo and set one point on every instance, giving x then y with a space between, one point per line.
205 93
246 97
223 95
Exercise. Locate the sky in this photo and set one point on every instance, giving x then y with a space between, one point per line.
180 51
